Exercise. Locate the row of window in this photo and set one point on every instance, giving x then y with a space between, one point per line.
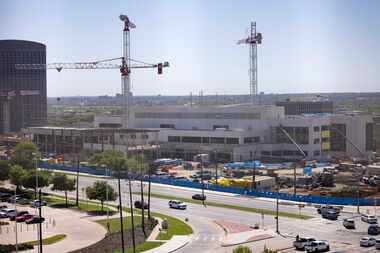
198 139
288 153
322 128
324 139
255 139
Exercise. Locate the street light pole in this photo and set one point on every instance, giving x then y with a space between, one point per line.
277 206
40 223
77 197
121 212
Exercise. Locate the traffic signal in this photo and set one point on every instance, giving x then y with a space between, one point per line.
159 68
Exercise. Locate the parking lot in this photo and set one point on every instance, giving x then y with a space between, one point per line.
80 231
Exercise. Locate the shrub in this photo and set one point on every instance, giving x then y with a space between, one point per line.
242 249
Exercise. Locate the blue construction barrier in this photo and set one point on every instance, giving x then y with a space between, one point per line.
283 196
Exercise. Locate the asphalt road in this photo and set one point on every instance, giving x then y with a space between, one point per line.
207 234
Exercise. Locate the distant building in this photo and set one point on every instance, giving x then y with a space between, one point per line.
245 132
306 107
22 92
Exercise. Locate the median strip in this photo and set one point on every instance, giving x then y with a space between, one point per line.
240 208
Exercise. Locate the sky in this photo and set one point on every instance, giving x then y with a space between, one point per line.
308 46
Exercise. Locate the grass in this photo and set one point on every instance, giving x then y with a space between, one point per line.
115 223
240 208
49 240
175 227
90 206
141 247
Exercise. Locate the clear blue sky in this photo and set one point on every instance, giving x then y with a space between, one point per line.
308 46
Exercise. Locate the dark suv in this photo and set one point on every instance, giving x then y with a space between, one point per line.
140 206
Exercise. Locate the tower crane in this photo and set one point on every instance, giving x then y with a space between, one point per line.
125 65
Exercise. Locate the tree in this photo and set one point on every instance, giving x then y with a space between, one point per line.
4 170
99 191
29 180
24 155
61 182
242 249
17 175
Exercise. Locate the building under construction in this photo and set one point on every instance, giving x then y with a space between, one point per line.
70 141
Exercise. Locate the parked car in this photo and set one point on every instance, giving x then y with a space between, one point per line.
367 241
377 244
35 220
301 242
6 212
371 219
373 229
13 216
24 217
318 246
349 223
36 203
199 197
330 214
13 199
5 196
140 206
177 204
3 207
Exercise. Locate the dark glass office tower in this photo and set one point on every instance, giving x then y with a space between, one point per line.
22 92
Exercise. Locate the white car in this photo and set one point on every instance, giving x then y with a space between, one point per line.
371 219
377 245
318 246
301 242
177 204
6 212
367 242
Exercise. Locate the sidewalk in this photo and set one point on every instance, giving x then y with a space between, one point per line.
177 242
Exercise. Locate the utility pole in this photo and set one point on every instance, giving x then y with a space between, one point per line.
121 212
40 223
77 194
277 206
132 217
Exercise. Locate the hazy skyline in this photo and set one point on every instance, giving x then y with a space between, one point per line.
308 46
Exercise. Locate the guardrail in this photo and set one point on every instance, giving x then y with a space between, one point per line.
283 196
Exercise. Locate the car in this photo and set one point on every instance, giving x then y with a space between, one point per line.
371 219
5 196
377 244
373 229
13 199
36 203
321 209
177 204
3 207
349 223
367 242
13 216
6 212
301 242
330 214
35 220
140 206
318 246
24 217
199 197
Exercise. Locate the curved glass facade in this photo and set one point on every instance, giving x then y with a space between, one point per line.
22 92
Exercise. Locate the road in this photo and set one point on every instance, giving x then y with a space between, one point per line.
207 234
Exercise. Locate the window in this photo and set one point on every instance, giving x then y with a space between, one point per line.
174 139
325 128
232 140
316 141
167 126
265 153
192 139
316 129
317 153
133 136
217 140
248 140
205 139
276 153
256 139
220 126
288 153
144 136
325 139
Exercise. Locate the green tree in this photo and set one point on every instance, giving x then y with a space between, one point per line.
29 181
4 170
101 191
24 154
266 250
61 182
242 249
17 175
